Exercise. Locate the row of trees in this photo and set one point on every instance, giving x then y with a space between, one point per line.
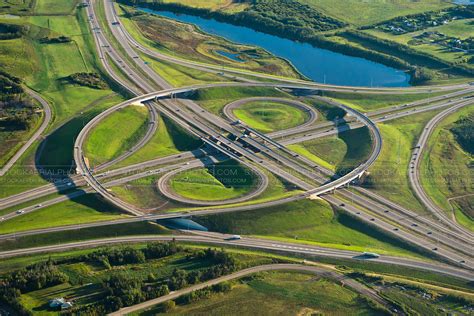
122 289
463 130
35 277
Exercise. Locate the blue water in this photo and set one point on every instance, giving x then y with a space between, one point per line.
232 56
320 65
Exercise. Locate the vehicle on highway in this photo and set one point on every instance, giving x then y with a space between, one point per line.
371 255
234 237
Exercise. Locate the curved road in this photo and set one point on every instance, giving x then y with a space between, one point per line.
323 272
167 191
252 243
35 136
414 168
228 110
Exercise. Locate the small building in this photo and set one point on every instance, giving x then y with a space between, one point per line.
60 302
56 302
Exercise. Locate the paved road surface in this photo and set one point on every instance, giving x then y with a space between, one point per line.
326 273
35 136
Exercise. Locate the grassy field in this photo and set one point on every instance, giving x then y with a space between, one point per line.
368 12
116 134
143 192
188 42
53 7
446 171
225 5
270 116
366 103
214 99
338 153
179 76
222 181
11 141
278 293
87 208
86 276
168 139
129 229
458 29
42 67
307 221
389 175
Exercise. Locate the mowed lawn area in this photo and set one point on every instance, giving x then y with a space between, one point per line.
53 7
87 208
447 172
268 117
222 181
116 134
389 174
305 221
337 153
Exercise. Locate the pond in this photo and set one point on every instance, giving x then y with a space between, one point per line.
320 65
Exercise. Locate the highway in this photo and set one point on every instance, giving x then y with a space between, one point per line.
35 136
415 165
319 271
184 117
123 35
252 243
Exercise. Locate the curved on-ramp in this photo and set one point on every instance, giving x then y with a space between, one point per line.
415 164
35 136
164 187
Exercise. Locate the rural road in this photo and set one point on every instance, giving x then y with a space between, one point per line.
35 136
326 273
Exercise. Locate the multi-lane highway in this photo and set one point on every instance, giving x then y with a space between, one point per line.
257 244
415 165
319 271
272 155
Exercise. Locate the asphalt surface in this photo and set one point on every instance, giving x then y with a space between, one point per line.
322 272
414 168
256 244
197 126
35 136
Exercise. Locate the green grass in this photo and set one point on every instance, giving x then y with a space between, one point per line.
116 134
52 7
368 12
84 209
42 67
222 181
186 41
169 139
371 102
180 76
311 221
389 175
338 153
270 116
446 170
278 293
214 99
12 141
129 229
143 192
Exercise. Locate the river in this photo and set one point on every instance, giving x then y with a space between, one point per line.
320 65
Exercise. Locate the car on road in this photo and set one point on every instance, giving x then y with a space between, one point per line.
20 212
234 237
371 255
